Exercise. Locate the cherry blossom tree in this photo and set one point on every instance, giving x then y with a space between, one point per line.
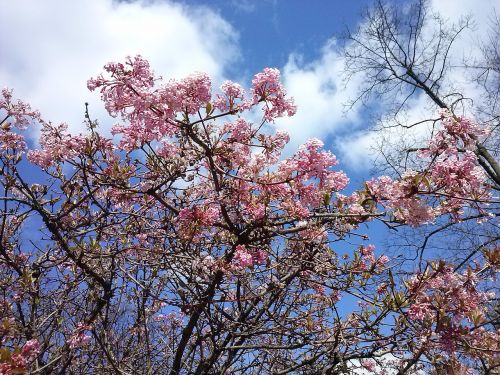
186 243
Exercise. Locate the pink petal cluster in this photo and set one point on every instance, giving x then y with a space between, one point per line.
57 145
233 94
79 339
448 302
130 94
369 364
244 258
310 170
22 114
266 87
129 80
368 259
194 221
401 197
457 132
19 362
11 141
452 176
20 111
204 216
188 95
151 111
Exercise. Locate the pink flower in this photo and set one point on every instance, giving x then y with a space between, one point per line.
381 261
259 256
382 288
20 361
79 338
13 141
31 349
232 92
242 257
266 87
57 145
419 311
369 364
189 94
18 110
367 250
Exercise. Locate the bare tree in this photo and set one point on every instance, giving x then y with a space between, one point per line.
405 51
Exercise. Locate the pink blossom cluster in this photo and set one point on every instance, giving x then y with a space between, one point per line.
248 258
369 364
368 259
312 176
20 111
449 305
129 80
238 131
232 94
206 216
18 363
22 114
79 339
460 178
11 141
454 169
457 132
460 296
452 176
130 93
188 95
266 87
298 186
401 197
57 145
151 111
193 220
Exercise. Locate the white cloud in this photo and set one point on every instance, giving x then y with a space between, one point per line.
452 10
357 149
320 96
53 46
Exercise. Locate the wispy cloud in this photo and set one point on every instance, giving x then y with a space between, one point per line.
245 6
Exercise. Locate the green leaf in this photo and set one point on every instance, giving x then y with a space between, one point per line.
209 109
326 199
5 355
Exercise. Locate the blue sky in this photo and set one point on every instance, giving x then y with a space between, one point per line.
270 30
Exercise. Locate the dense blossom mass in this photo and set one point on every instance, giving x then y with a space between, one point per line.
187 243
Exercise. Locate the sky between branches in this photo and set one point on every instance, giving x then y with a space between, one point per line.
50 48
